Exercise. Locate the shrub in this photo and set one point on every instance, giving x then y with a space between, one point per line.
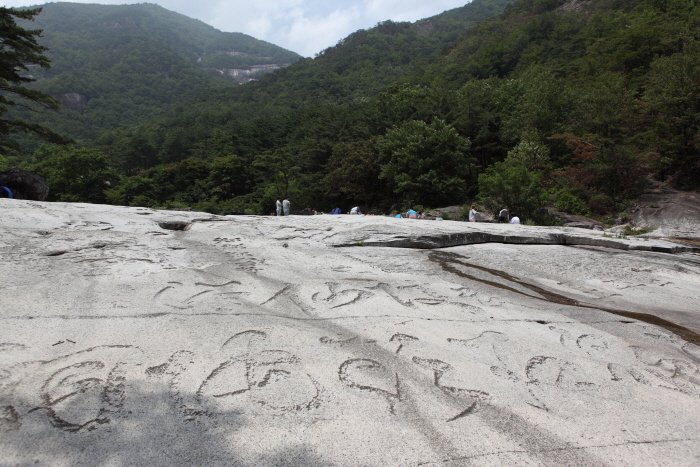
566 201
503 185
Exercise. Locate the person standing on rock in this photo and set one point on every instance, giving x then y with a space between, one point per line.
472 213
286 205
278 205
504 216
5 192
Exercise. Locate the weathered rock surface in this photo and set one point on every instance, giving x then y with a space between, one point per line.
444 234
137 337
572 220
25 185
670 213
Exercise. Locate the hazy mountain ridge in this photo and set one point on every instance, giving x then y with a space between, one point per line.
369 60
119 64
193 39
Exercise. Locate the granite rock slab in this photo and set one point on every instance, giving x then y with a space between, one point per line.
130 336
669 213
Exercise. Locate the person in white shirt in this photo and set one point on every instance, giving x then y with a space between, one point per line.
515 219
472 213
278 205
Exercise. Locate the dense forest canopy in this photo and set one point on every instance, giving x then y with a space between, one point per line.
575 103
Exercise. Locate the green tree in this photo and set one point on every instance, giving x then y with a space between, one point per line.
512 186
673 95
18 50
280 168
133 154
534 106
229 176
478 117
74 175
8 162
354 174
426 163
607 107
533 155
403 102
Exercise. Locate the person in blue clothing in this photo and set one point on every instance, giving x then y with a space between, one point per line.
5 192
411 214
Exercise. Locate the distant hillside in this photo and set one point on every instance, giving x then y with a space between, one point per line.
114 65
620 75
91 29
274 111
568 102
369 60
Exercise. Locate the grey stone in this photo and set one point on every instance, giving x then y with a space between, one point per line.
451 212
669 213
25 185
618 229
409 233
582 225
312 340
565 218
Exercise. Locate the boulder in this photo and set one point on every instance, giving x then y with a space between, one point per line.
483 216
572 220
25 185
618 229
668 212
449 212
584 225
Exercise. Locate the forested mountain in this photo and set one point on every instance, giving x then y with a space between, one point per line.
369 60
292 117
596 94
570 102
119 64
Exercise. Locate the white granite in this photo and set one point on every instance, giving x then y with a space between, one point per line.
264 341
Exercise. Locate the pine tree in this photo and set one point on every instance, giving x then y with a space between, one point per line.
18 50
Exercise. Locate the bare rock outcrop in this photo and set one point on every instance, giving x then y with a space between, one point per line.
572 220
668 212
131 336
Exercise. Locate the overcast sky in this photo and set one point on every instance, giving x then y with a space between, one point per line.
303 26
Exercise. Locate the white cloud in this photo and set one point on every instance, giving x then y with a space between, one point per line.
327 31
304 26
